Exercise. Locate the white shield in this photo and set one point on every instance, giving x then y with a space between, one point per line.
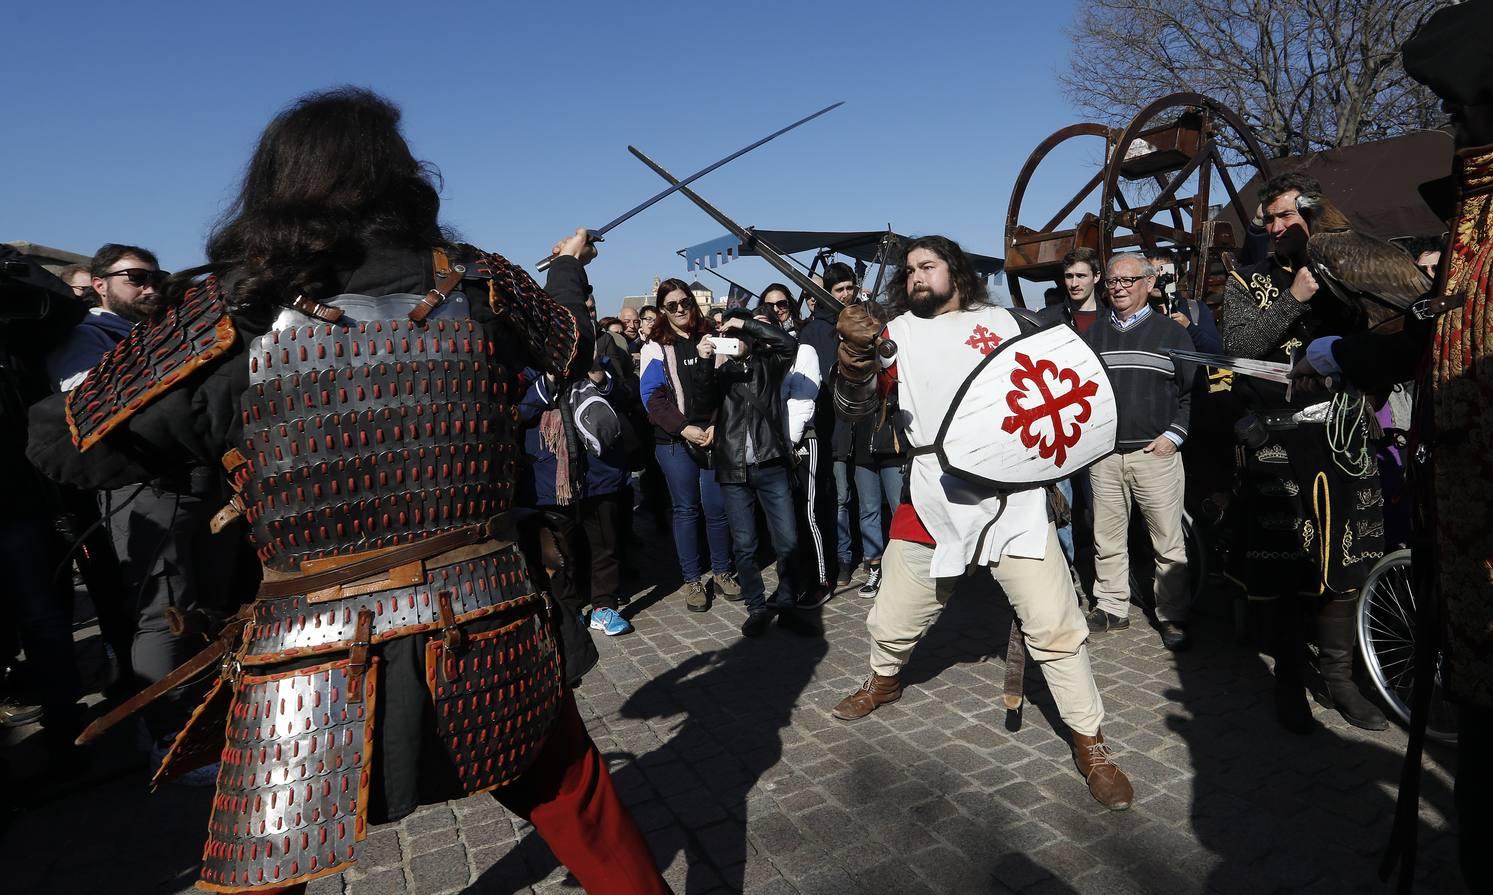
1036 410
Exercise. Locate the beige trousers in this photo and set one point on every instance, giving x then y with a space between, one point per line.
1041 592
1154 484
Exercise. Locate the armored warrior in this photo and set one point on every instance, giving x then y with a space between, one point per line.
350 367
947 522
1310 502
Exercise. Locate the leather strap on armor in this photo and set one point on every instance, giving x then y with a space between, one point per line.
357 655
227 640
449 277
344 570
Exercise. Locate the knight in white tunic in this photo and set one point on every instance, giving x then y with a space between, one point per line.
945 329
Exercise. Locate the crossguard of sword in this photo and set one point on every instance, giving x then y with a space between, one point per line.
592 238
886 351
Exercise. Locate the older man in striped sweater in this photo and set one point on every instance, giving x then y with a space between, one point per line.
1153 394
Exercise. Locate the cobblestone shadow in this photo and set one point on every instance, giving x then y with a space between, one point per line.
729 708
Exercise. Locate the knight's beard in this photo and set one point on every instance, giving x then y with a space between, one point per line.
926 302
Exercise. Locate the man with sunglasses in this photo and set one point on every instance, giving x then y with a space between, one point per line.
1154 397
168 557
125 279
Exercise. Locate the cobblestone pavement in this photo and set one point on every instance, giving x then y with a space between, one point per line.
726 753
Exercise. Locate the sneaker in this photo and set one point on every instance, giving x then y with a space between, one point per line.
696 599
610 622
815 596
1101 621
726 585
18 714
873 581
847 570
1174 637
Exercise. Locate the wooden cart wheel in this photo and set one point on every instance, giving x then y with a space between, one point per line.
1173 145
1036 254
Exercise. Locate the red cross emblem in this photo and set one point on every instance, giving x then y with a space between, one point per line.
1048 406
983 340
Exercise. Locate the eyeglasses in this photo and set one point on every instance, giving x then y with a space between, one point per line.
1122 282
137 276
674 307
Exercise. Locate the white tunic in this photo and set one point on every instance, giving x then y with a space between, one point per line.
968 523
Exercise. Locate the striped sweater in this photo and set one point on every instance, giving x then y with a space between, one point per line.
1153 394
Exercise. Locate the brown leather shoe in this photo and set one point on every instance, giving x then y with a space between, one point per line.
1107 783
877 690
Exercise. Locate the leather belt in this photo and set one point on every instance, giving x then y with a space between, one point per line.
358 566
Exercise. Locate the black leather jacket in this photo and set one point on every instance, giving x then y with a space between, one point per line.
746 385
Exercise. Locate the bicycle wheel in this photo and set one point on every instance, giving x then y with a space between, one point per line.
1386 639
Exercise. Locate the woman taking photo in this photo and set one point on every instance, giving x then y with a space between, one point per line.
678 389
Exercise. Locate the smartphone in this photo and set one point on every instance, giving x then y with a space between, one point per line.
727 346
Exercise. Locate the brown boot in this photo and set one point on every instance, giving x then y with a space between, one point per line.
1107 783
877 689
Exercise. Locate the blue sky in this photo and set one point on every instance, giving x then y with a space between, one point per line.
132 122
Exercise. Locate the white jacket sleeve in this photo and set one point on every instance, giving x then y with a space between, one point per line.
799 392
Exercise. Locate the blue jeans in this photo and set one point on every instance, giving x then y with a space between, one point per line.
694 489
842 512
1076 490
770 485
873 485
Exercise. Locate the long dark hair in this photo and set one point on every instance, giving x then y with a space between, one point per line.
332 175
792 302
663 331
968 284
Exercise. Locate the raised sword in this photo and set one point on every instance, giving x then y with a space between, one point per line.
595 235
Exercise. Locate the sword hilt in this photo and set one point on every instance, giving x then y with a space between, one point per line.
592 238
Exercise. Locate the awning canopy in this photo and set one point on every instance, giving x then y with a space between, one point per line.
861 245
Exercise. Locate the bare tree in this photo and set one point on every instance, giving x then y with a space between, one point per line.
1304 74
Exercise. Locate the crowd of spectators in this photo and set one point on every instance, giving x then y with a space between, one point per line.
722 431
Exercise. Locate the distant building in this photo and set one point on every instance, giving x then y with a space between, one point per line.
704 296
53 259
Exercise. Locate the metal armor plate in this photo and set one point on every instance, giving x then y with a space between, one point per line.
294 626
496 695
368 433
1036 410
292 792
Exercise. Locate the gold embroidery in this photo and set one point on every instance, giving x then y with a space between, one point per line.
1265 291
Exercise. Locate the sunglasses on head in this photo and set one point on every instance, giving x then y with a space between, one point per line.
676 306
137 276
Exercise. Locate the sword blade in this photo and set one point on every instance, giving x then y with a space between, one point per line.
601 231
748 238
1259 369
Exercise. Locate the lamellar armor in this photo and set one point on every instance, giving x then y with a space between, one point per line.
374 472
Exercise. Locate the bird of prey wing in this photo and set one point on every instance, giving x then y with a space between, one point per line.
1367 272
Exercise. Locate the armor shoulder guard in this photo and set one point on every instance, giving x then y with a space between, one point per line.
149 361
518 300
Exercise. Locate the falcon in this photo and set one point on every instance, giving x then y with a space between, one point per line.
1360 270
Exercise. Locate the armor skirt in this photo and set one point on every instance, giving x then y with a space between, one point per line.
358 703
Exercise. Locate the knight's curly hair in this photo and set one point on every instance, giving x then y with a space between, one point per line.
331 176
